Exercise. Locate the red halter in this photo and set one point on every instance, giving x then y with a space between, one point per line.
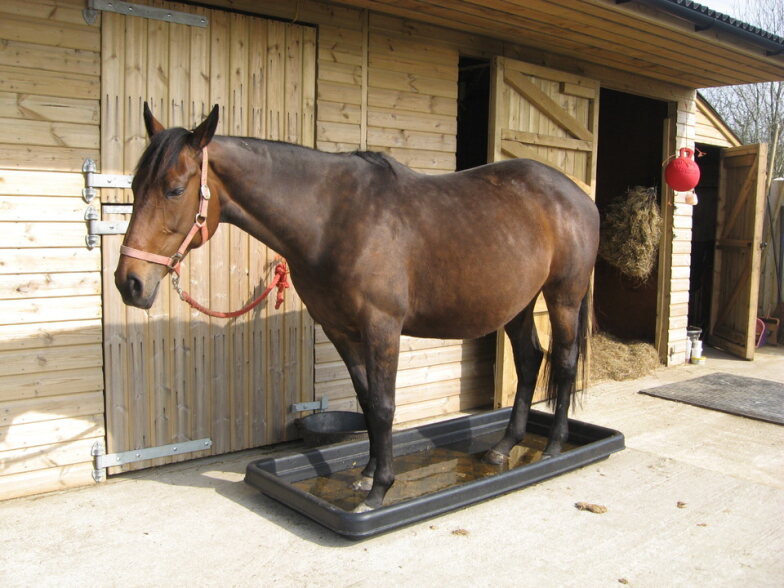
200 225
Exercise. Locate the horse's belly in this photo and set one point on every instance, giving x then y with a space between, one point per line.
469 313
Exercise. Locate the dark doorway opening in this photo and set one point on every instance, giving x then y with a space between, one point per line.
473 112
473 108
703 237
631 135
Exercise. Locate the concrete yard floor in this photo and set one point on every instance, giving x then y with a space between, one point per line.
198 524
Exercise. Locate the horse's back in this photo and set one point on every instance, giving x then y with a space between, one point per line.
482 243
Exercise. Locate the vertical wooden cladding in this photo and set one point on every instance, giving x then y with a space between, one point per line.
550 116
51 403
737 257
173 374
386 85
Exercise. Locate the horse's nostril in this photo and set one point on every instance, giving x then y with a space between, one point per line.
134 286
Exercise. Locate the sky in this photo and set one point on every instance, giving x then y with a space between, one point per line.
725 6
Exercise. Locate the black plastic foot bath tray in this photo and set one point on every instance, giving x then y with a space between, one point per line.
438 468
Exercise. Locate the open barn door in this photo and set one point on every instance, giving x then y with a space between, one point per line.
551 116
172 374
737 256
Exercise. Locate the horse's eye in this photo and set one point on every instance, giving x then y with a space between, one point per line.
174 192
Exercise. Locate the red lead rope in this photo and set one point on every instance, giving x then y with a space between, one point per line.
280 281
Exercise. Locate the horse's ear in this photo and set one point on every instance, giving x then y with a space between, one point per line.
203 134
150 122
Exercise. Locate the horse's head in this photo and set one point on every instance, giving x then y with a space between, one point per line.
167 197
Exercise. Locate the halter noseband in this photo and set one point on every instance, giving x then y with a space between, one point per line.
199 225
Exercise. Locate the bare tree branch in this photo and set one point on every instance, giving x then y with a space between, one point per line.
755 111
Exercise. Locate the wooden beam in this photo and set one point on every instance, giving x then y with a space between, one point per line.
547 105
547 140
515 149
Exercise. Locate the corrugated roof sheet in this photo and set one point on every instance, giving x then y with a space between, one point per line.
725 18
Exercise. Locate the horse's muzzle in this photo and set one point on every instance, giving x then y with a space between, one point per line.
132 290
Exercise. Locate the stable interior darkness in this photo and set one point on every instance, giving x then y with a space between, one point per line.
631 134
703 236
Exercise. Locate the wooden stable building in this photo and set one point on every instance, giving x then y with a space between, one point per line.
604 90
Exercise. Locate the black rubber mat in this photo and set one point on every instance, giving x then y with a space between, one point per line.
749 397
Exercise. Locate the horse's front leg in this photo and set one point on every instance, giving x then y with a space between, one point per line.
351 352
381 347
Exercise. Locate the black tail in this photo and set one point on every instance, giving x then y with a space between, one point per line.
581 374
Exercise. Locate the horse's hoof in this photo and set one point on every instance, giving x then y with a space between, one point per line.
363 507
364 484
495 457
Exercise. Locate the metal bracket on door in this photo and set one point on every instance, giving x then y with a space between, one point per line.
96 227
93 180
103 460
128 9
317 405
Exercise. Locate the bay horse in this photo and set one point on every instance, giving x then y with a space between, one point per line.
377 250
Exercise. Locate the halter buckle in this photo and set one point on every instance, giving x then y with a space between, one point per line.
174 261
205 191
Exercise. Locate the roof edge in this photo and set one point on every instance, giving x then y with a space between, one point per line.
705 18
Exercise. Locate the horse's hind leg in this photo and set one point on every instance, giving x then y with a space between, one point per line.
569 330
527 355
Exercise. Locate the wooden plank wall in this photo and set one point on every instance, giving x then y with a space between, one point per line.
51 382
710 129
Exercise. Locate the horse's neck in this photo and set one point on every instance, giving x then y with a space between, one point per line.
275 193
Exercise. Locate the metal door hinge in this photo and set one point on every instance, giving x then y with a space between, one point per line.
93 180
96 227
103 460
174 16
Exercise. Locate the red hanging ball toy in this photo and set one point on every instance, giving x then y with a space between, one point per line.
682 173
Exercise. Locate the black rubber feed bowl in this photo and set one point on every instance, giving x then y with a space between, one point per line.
336 426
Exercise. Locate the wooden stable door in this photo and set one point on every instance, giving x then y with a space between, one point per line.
737 256
173 374
550 116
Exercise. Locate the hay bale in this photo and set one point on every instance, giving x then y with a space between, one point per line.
631 229
613 359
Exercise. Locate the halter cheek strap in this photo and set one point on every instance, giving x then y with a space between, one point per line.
199 226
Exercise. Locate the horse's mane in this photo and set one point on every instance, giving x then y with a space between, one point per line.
375 158
165 148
